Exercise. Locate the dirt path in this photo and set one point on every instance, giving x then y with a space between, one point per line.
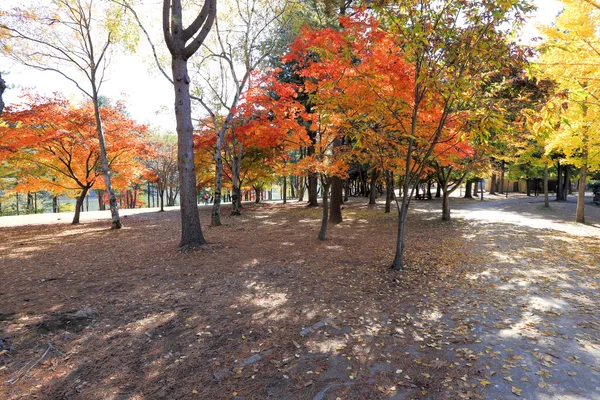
498 304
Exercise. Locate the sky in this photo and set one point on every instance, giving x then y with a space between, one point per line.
149 97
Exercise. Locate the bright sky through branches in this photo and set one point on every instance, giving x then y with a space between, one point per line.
149 97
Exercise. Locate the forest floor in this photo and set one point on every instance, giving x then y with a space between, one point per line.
502 302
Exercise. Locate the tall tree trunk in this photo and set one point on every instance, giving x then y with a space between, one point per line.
389 191
566 182
257 194
445 202
284 194
191 231
236 196
2 89
335 213
114 206
546 195
502 178
493 184
300 188
469 189
312 190
326 183
55 204
149 194
372 188
559 178
79 205
398 262
528 189
346 189
476 188
579 217
162 199
438 191
429 183
215 216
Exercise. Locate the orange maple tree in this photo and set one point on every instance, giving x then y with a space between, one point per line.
54 144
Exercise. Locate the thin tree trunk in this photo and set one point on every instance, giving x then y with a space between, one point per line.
429 183
312 190
476 188
372 189
580 217
323 232
546 196
502 179
346 189
335 213
114 206
438 191
216 210
284 194
559 177
389 191
79 205
493 184
162 199
445 202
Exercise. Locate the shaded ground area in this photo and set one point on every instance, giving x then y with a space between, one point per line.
500 303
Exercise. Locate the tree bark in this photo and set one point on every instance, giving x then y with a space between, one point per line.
79 204
335 213
215 217
579 216
468 189
312 190
559 178
284 194
502 178
476 188
257 193
2 89
445 203
493 184
372 189
191 232
546 196
346 189
323 232
389 191
429 183
438 191
113 205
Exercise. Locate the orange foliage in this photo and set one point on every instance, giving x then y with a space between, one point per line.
56 147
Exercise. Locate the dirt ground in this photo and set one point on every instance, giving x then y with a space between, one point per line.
500 303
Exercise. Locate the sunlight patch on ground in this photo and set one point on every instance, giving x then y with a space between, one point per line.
527 220
150 322
328 345
542 304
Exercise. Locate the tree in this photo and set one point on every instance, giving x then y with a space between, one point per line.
242 42
54 147
571 57
450 46
177 38
72 39
161 165
2 89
